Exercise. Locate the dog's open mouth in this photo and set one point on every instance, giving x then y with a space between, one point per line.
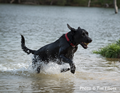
84 45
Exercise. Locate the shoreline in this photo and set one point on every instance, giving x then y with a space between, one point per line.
93 4
29 3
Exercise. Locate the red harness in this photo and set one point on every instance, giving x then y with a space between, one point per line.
69 40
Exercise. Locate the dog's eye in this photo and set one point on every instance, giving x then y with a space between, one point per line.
83 34
87 33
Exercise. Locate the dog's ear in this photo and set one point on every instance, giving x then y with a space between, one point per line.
79 28
72 29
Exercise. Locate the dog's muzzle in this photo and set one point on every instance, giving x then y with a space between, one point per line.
85 45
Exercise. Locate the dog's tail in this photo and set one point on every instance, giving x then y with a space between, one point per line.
25 49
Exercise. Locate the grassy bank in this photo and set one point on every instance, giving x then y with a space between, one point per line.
110 51
93 3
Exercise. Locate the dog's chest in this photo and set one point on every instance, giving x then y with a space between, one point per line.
71 51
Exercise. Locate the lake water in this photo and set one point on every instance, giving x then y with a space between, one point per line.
44 24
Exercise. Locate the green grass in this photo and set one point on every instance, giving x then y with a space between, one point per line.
110 51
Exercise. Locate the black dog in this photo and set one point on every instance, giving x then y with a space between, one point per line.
62 49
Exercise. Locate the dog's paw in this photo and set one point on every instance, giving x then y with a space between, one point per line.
72 68
38 69
65 70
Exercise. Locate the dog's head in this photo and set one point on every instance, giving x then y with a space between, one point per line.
80 36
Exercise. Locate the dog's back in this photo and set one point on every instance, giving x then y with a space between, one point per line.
47 52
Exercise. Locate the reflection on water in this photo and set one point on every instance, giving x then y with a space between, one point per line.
38 83
44 24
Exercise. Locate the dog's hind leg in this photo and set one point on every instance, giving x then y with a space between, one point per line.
36 64
65 70
38 69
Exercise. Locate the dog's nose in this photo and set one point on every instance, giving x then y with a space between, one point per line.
89 40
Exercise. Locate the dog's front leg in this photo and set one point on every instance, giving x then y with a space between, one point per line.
67 60
65 70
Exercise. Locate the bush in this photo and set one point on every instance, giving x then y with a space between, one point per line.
110 51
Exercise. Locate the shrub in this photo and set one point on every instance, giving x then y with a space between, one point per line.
110 51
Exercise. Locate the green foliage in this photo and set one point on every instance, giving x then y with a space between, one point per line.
118 42
110 51
80 2
61 2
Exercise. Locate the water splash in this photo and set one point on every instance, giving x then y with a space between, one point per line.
26 68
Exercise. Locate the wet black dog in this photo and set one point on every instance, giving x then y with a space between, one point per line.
62 49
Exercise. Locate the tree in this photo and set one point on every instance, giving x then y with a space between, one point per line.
19 1
12 1
89 3
115 6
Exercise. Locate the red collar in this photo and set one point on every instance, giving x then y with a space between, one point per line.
69 40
